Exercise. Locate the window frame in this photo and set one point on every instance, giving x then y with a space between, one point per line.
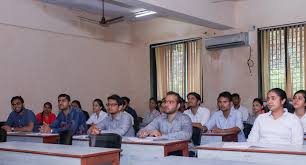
153 73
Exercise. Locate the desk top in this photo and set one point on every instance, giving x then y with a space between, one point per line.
255 147
219 134
31 134
179 160
55 149
128 140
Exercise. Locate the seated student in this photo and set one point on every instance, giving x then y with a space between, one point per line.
277 126
170 125
198 115
20 119
99 112
116 121
299 103
236 102
124 106
162 106
77 104
131 111
182 108
46 116
257 109
226 119
69 118
151 114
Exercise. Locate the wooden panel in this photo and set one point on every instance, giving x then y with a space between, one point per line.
183 146
113 158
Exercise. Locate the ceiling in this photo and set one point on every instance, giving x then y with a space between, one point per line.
112 8
128 8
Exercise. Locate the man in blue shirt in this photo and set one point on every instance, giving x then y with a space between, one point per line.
69 118
131 111
226 120
20 119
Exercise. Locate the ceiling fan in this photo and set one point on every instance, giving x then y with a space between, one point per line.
103 22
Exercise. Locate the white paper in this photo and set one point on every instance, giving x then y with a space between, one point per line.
236 145
40 134
147 139
81 137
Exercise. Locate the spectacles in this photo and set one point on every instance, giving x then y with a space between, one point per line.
111 104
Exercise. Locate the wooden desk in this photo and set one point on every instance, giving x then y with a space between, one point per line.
12 153
218 137
262 153
178 160
150 149
32 137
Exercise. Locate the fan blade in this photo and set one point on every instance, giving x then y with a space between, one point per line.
115 20
88 20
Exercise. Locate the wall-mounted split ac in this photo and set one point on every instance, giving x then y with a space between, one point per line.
227 41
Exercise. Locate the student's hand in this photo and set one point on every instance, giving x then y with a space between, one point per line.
155 133
7 128
90 129
45 128
143 134
217 130
95 131
198 125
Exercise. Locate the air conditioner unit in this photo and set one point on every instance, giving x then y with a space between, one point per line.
227 41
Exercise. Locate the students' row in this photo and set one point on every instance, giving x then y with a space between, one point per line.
276 126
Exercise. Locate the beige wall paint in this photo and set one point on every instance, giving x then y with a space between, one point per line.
56 53
223 70
45 54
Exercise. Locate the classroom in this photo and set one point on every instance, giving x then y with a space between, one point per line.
130 82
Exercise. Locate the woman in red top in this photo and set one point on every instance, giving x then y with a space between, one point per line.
46 116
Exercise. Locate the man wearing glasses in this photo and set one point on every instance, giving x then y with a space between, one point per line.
172 124
116 121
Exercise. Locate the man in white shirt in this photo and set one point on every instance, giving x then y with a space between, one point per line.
236 106
198 115
226 120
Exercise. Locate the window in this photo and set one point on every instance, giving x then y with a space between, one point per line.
282 59
177 67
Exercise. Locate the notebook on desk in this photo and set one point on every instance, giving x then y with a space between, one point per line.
246 145
81 137
39 134
147 139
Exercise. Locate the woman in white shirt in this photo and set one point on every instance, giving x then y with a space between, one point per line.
299 104
277 126
98 112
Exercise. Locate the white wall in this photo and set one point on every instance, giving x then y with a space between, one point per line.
262 13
